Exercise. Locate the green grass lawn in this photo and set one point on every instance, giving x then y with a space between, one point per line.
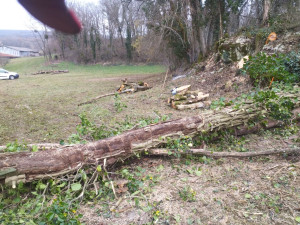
31 65
43 108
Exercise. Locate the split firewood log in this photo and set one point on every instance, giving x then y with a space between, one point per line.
197 105
183 90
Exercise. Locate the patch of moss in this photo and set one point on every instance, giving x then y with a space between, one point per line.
229 52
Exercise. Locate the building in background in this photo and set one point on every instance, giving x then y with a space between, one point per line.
18 51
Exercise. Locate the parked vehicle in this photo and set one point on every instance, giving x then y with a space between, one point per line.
5 75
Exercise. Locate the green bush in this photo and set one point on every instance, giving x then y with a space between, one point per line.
279 108
262 68
292 64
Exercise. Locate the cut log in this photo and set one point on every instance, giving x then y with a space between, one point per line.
202 97
198 99
203 152
28 166
183 90
186 99
197 105
179 97
142 88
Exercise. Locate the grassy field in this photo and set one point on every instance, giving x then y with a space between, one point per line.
43 108
26 66
158 190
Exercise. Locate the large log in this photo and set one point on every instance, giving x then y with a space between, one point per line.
28 166
203 152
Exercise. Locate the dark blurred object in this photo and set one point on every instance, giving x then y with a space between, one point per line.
53 13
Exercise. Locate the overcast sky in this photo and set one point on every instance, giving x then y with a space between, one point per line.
14 17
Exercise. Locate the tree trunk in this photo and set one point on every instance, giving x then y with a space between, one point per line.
28 166
203 152
267 6
221 21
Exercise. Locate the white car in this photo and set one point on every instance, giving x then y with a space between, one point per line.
4 75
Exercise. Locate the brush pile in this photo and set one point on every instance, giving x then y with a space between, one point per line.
50 72
184 98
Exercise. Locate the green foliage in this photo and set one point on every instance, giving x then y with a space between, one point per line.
60 213
292 64
187 194
16 147
135 182
279 108
179 145
32 209
287 131
221 103
89 131
119 105
52 202
138 180
262 68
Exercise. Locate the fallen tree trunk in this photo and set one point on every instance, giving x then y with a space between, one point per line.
203 152
28 166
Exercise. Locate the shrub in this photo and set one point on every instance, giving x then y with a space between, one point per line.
262 68
292 64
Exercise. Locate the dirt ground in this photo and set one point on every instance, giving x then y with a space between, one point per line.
264 190
199 190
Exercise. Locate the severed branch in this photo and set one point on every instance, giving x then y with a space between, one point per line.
138 88
203 152
98 97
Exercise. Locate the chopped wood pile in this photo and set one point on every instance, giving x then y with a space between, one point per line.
184 98
50 72
131 87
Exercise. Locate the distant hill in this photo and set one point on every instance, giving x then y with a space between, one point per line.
19 38
19 33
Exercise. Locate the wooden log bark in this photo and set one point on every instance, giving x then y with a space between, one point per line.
137 88
197 105
44 164
98 97
28 166
183 90
203 152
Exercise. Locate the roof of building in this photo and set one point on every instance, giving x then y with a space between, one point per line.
21 49
2 55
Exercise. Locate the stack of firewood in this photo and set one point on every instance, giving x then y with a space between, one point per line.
130 87
184 98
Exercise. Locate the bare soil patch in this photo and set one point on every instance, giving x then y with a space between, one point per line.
263 190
